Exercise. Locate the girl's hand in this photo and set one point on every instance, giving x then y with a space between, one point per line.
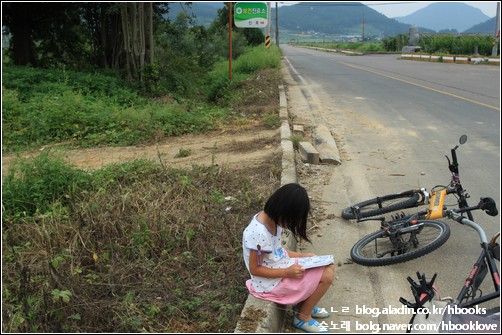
308 255
295 271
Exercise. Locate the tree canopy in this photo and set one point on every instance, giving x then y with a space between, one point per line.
78 34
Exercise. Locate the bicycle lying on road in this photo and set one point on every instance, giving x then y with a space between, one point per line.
407 237
410 237
463 313
413 198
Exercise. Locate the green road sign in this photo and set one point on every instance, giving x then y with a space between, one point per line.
251 14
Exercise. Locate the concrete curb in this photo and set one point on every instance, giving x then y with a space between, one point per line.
260 316
326 145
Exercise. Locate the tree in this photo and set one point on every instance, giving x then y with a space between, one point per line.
137 30
48 24
103 24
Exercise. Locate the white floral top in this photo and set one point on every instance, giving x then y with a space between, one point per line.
256 236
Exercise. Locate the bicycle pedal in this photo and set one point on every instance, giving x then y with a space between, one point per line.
406 303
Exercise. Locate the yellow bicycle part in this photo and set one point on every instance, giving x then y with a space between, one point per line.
436 204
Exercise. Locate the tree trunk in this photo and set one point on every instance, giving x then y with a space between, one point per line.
149 39
137 28
23 45
21 26
104 40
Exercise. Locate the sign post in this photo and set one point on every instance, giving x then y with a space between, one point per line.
230 41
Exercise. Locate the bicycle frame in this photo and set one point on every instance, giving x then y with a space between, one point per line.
485 262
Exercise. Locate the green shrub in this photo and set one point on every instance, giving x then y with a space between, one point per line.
219 87
33 186
258 58
32 81
116 175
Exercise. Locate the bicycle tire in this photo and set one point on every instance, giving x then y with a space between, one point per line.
384 204
362 253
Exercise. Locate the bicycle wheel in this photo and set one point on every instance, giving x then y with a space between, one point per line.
383 204
410 242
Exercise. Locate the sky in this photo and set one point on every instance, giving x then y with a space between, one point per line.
402 8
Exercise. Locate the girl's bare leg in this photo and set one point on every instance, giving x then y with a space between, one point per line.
308 305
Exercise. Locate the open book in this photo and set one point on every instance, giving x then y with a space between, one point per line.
315 261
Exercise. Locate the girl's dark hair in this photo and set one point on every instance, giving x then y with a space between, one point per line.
289 207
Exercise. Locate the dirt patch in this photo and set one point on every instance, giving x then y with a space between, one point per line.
222 148
250 318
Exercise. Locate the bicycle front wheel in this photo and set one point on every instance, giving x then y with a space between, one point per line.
382 205
381 248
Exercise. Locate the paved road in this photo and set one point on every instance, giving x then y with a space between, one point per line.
394 121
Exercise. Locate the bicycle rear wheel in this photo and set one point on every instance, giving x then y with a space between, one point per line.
412 241
381 205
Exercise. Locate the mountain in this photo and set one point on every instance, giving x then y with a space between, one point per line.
203 12
337 18
445 16
489 26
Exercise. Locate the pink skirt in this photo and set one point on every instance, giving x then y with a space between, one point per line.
291 291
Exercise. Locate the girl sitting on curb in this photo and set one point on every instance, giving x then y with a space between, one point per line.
275 273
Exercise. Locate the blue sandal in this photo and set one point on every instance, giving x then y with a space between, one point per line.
317 312
311 326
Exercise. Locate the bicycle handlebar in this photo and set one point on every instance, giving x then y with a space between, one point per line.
465 221
488 205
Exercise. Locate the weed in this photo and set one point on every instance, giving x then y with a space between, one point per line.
296 139
271 120
183 153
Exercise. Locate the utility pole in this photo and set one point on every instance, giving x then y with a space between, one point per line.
276 24
497 31
363 28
